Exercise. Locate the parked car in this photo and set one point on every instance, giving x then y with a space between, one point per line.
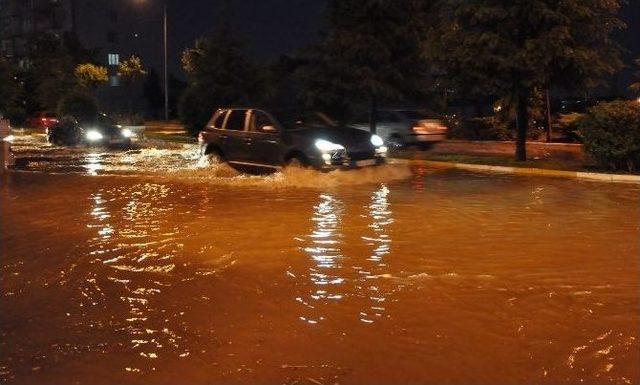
42 120
406 127
97 131
272 140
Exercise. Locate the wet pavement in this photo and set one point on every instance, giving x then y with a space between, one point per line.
150 266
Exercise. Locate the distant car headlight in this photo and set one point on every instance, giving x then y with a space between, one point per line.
326 146
127 133
376 140
93 135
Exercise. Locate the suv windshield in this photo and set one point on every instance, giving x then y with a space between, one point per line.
292 119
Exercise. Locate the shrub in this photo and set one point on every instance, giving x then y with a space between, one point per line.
611 133
486 128
79 105
567 125
195 109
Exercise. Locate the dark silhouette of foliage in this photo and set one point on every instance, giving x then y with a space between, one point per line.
370 55
219 74
78 104
510 48
10 107
611 134
153 92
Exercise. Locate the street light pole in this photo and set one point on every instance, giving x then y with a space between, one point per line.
166 77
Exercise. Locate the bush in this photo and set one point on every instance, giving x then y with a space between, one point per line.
611 134
195 109
567 126
486 128
79 105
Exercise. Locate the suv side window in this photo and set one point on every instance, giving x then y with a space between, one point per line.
258 120
217 120
235 121
386 117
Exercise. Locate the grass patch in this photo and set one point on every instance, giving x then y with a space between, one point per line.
498 160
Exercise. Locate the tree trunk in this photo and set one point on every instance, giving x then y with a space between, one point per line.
373 114
522 123
548 116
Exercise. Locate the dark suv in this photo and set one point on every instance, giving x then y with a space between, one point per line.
255 137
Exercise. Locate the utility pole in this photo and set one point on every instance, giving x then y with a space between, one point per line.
166 74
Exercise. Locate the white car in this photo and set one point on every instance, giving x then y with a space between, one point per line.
406 127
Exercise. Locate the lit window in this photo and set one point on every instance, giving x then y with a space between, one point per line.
113 59
114 80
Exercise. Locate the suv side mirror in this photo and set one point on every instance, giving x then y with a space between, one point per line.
269 129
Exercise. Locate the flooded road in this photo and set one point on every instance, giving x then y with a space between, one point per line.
148 267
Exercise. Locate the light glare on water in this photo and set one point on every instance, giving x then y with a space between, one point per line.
147 267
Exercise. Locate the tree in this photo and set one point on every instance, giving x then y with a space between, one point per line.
89 75
10 107
219 74
49 71
370 55
153 92
79 104
635 87
131 71
511 47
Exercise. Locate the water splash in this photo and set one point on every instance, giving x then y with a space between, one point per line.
166 161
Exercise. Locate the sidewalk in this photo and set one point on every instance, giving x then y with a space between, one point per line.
565 160
592 176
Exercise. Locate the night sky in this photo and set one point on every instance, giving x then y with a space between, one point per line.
270 28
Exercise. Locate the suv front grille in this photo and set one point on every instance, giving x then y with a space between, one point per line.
360 154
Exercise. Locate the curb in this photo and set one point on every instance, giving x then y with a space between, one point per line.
592 176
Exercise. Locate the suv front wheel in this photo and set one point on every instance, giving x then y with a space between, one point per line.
296 162
213 157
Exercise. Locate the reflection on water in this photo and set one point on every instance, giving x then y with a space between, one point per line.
335 275
93 163
139 263
323 248
380 215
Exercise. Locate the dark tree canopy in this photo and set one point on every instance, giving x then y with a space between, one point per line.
371 54
219 74
7 89
511 47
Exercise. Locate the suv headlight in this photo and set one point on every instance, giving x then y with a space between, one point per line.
93 135
326 146
376 140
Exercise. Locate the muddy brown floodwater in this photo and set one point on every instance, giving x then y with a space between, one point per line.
135 268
